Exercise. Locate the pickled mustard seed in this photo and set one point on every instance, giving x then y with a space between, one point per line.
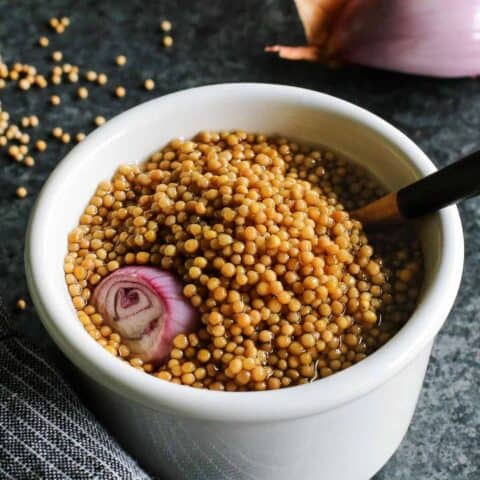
166 26
121 60
21 304
287 285
149 84
99 120
43 42
21 192
120 91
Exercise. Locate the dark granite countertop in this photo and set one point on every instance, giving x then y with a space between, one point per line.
219 41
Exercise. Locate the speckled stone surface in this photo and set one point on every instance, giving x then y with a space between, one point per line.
219 41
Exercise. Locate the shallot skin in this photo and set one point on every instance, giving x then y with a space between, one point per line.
147 308
439 38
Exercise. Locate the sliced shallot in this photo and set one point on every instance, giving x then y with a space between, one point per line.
146 307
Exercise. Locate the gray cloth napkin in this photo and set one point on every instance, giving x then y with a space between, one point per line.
45 431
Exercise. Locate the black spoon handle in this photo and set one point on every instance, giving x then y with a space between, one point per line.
449 185
455 182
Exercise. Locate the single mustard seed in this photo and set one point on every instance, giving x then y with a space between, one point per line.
149 84
54 22
79 137
99 120
21 192
82 93
43 42
66 138
57 56
165 25
21 304
65 21
120 91
57 132
121 60
29 161
55 100
167 41
34 122
102 79
91 76
41 145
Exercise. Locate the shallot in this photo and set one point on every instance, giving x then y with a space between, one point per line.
146 307
438 38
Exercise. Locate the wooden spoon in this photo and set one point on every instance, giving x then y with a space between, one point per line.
449 185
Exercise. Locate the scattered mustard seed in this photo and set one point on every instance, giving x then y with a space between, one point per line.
91 76
149 84
29 161
121 60
99 120
55 100
53 22
102 79
21 304
167 41
120 92
57 132
41 145
82 93
73 77
43 42
57 56
21 192
24 84
41 81
166 26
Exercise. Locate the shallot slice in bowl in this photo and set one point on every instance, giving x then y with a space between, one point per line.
146 307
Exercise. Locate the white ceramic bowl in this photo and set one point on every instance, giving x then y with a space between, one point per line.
343 427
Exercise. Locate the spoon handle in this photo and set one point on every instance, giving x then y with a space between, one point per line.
451 184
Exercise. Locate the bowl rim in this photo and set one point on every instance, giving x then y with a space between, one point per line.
288 403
